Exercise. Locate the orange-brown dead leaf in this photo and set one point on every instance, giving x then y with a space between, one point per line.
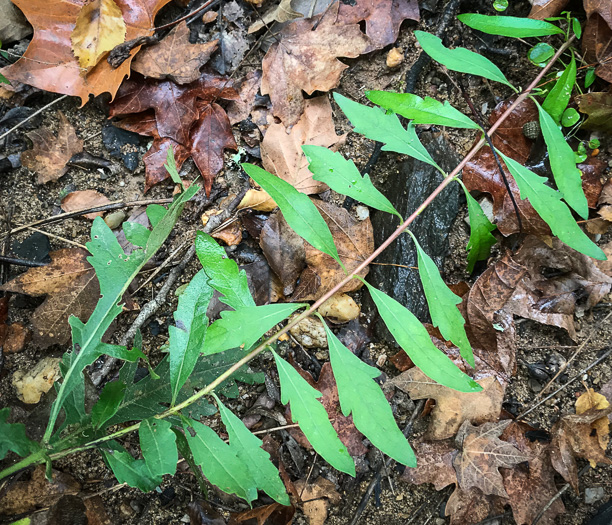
593 400
316 497
541 9
79 200
274 514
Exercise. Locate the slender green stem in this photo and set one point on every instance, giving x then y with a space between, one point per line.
33 459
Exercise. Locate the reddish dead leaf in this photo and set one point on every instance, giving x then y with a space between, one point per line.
49 154
80 200
306 59
574 436
71 287
541 9
231 234
96 511
17 336
434 464
452 407
316 498
598 107
275 514
49 63
355 242
281 152
592 170
482 454
597 37
348 433
466 507
174 58
383 18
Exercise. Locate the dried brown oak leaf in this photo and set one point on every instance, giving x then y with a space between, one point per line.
597 37
574 436
470 506
281 152
305 58
174 58
541 9
49 63
598 107
49 154
482 454
355 242
452 408
434 464
71 287
80 200
344 426
383 18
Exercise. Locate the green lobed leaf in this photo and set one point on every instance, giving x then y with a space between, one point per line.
223 272
13 437
136 233
481 240
158 445
187 337
559 96
108 403
375 124
248 448
563 165
509 25
460 59
312 417
219 462
361 396
298 210
443 304
244 327
422 111
547 202
128 470
342 176
412 336
155 213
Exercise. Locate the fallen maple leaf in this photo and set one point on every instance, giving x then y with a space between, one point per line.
98 29
434 464
49 63
541 9
174 58
71 287
383 18
281 152
79 200
49 154
598 107
305 58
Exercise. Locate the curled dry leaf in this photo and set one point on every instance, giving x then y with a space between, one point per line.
258 200
283 12
592 400
316 498
597 37
274 514
231 234
598 107
238 110
80 200
174 58
71 287
98 29
49 63
541 9
49 154
306 59
281 152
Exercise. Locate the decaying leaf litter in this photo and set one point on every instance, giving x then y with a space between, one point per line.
560 292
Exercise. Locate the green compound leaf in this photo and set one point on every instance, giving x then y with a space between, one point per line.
443 304
481 240
187 337
312 417
375 124
219 462
460 59
342 176
412 336
108 404
422 111
509 25
223 272
115 271
559 96
244 327
248 448
158 445
128 470
563 165
547 202
13 437
298 210
360 395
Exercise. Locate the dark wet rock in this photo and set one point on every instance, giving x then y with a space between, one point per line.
35 247
407 190
14 116
122 144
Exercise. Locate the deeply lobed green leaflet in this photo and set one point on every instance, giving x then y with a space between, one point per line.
168 403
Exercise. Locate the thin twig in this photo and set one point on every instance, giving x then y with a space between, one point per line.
166 262
63 239
21 262
187 16
38 112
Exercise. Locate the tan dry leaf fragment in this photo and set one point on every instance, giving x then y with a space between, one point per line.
283 12
434 464
593 400
174 58
281 152
98 29
71 287
316 498
541 9
49 154
79 200
452 408
306 59
482 454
